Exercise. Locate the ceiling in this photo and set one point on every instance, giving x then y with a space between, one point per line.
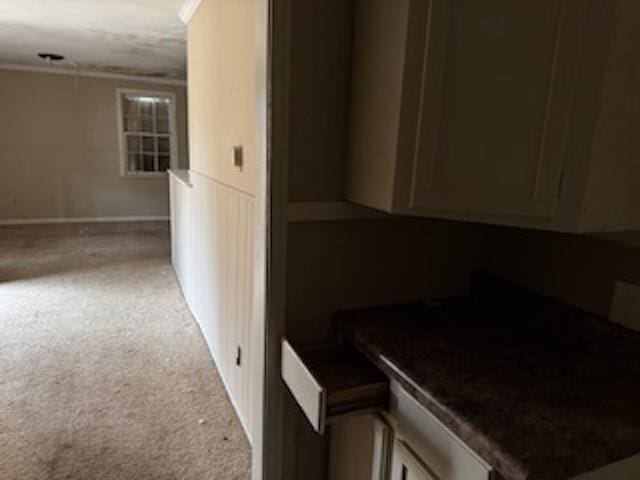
131 37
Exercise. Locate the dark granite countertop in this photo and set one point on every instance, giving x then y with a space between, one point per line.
539 389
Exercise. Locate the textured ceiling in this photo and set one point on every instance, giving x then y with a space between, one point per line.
133 37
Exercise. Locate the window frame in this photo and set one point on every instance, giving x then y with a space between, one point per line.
122 144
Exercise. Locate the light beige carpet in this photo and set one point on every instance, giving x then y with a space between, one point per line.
103 372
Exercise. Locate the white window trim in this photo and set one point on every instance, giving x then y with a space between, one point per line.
173 137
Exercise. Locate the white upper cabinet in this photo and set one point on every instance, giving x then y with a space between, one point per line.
500 111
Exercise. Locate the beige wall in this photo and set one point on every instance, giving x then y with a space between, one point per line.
59 152
577 269
222 85
339 265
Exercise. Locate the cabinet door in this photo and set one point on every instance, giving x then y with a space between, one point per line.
496 96
406 465
360 449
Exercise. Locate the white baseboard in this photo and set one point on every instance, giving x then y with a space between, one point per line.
58 220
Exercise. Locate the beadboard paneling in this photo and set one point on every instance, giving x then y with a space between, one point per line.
212 253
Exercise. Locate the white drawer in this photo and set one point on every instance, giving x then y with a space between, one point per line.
331 381
441 451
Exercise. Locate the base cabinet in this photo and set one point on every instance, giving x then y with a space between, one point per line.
427 446
409 443
360 449
406 465
405 443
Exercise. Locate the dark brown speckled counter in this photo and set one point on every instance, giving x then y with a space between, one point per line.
538 389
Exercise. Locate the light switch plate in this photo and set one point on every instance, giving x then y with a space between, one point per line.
625 305
237 156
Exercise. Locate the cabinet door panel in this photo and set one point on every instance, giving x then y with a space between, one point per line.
496 97
360 449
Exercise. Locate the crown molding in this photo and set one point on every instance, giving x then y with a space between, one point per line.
17 67
188 9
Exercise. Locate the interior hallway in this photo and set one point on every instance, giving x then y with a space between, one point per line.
103 372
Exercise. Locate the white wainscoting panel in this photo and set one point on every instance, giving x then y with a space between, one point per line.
212 254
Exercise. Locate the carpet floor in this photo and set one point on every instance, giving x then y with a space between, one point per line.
103 372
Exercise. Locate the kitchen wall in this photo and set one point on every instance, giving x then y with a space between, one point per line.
319 79
350 264
59 154
578 269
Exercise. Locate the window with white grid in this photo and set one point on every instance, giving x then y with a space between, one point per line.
147 132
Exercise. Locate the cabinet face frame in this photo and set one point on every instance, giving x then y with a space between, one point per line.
416 187
406 465
432 442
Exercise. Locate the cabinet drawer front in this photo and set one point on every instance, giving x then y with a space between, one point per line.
446 456
332 381
304 387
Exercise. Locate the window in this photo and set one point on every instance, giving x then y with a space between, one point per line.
146 123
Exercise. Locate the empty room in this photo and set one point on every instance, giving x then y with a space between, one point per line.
319 239
104 372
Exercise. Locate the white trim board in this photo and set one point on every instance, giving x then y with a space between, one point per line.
17 67
58 220
188 9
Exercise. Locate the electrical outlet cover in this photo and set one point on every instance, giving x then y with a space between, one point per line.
625 305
